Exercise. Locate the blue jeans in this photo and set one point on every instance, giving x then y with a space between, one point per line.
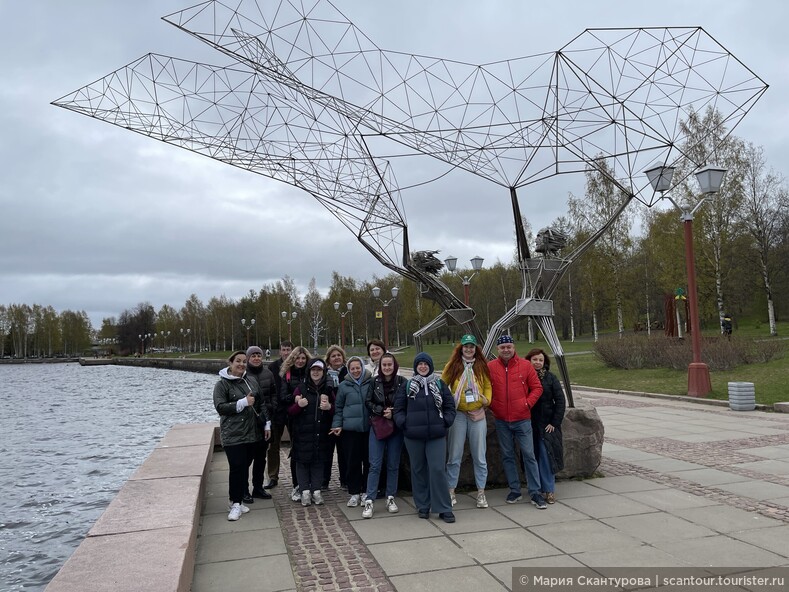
477 432
391 448
547 479
509 433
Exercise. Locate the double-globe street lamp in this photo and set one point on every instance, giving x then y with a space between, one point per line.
342 320
289 321
377 294
710 180
142 339
476 264
184 334
247 327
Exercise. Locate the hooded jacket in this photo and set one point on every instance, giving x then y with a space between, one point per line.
310 425
237 427
416 414
350 413
516 389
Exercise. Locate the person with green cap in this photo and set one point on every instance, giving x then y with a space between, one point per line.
468 378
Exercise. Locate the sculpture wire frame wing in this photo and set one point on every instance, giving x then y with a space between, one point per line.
308 89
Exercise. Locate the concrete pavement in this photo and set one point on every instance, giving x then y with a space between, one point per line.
682 485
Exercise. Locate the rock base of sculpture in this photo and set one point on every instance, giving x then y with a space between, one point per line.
582 431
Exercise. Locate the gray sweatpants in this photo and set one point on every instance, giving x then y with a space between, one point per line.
429 483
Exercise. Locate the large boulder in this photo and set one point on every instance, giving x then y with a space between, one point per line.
583 433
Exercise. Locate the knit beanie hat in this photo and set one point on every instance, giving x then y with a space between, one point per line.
254 349
423 357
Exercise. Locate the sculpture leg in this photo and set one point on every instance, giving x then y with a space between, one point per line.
510 318
436 323
548 329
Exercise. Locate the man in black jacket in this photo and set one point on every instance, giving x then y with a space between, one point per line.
258 372
278 418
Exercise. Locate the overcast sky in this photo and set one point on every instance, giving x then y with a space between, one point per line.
97 218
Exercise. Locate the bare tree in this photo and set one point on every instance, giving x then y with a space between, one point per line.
602 198
708 142
312 310
763 191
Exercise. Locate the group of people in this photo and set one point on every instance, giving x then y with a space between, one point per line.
367 412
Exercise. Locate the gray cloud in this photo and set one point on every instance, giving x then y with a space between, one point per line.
97 218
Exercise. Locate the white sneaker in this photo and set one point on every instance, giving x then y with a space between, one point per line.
391 506
317 498
363 497
368 509
244 509
306 499
235 512
295 495
482 501
353 502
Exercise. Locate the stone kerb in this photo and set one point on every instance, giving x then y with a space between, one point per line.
146 538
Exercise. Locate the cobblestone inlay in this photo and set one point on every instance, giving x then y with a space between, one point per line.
325 551
610 467
717 410
722 455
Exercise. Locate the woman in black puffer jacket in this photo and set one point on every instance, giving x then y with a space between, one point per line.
311 417
424 409
546 422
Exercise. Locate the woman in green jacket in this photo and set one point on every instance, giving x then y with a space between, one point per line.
241 414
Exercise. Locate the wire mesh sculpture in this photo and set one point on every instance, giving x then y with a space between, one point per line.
309 94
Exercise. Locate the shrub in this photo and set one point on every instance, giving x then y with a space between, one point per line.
719 353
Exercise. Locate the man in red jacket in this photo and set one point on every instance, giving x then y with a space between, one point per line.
516 389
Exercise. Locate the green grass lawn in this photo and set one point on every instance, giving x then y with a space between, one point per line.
771 379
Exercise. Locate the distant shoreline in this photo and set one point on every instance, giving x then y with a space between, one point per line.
39 360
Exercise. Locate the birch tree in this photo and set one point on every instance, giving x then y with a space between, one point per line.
763 191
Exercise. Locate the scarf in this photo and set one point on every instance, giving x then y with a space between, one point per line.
541 373
430 385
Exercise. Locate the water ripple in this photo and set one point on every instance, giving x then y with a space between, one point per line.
58 475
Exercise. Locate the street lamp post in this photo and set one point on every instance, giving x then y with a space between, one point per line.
476 264
289 321
184 335
142 342
342 320
377 294
710 179
247 327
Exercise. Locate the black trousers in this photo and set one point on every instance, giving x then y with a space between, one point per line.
259 464
239 457
354 448
310 475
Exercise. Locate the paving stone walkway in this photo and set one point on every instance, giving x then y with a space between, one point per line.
685 485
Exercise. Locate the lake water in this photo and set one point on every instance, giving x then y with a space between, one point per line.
70 436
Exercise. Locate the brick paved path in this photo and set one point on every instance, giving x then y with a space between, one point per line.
324 549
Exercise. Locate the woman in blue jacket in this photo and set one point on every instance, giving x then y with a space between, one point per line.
352 425
424 409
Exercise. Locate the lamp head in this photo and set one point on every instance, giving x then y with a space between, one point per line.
660 177
710 179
